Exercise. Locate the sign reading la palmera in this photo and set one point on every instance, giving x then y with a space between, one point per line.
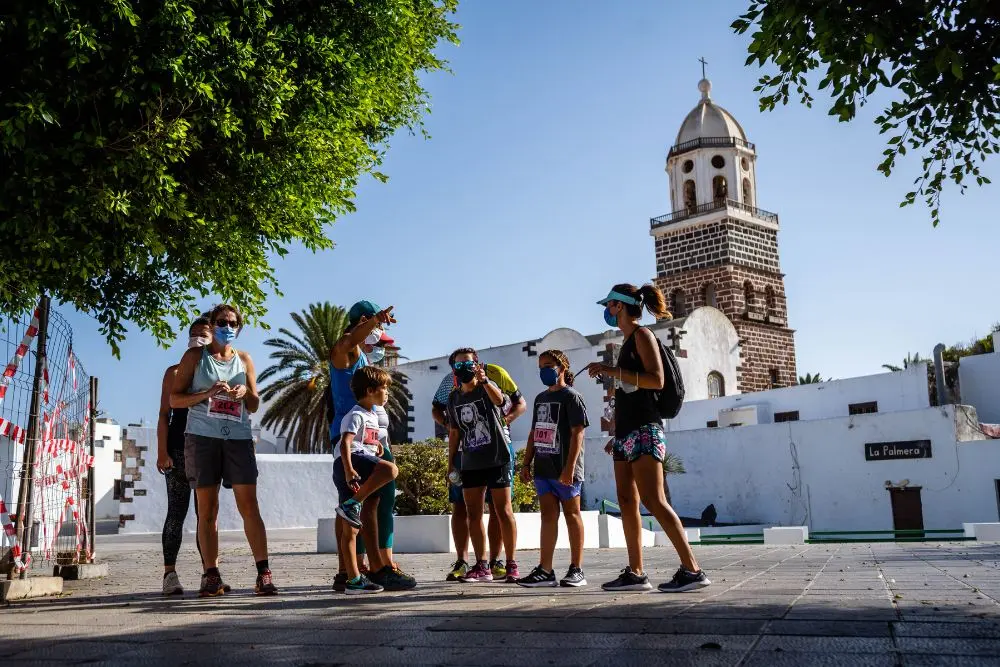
906 449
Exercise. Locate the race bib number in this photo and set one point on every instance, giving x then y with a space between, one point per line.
545 439
221 408
369 438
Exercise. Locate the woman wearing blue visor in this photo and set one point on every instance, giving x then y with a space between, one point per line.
639 443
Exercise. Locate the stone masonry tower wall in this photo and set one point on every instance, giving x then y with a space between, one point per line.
717 249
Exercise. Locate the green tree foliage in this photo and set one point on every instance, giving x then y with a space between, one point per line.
296 387
422 483
810 378
909 360
523 496
156 152
939 58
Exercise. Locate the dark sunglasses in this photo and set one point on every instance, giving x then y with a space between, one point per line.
227 323
464 364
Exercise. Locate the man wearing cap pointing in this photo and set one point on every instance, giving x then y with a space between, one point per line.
361 345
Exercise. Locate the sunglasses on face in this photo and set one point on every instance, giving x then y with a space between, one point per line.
460 365
226 323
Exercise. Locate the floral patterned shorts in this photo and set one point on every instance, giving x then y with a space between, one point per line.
647 439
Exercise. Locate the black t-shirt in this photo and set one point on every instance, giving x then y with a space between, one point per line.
482 437
555 414
634 407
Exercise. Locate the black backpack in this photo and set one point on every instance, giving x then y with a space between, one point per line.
669 399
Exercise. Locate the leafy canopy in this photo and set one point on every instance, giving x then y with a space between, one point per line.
155 152
940 56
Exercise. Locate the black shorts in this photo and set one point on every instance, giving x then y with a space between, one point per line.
209 461
363 464
497 477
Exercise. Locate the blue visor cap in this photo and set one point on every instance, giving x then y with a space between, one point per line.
618 296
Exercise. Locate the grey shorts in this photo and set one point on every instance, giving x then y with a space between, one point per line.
212 460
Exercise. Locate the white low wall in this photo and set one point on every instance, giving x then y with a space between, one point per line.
432 534
979 379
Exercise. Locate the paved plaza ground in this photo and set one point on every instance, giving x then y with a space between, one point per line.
850 604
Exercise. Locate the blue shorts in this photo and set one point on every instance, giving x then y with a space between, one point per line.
363 464
558 489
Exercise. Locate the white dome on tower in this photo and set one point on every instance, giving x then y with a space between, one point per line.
708 120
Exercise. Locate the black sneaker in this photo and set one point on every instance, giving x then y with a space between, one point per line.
629 581
211 586
391 580
225 587
538 578
574 578
361 586
350 511
685 581
340 582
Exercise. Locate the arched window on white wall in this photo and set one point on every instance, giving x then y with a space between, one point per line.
690 196
720 190
716 385
747 192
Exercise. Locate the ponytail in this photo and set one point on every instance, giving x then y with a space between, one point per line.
560 358
653 299
648 295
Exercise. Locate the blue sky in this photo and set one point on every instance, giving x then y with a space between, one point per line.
534 192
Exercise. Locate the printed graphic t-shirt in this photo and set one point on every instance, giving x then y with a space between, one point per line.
482 436
555 414
497 374
364 425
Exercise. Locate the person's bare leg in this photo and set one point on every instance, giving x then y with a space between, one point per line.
508 526
460 530
338 532
208 525
348 538
474 501
549 506
574 526
628 501
494 534
648 474
253 524
369 532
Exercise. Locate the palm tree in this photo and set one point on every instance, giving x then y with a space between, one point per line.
910 360
297 394
810 378
672 465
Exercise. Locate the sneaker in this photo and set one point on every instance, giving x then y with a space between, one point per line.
361 586
211 586
350 511
172 584
264 585
513 574
225 587
629 581
479 572
685 581
458 570
392 580
574 578
498 569
340 582
538 578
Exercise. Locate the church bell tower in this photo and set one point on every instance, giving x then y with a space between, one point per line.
717 248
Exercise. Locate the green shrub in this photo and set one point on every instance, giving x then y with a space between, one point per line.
524 498
421 482
423 488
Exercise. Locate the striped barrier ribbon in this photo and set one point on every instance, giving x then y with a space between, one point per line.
19 353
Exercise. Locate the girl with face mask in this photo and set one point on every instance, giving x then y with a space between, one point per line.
555 447
639 443
170 429
218 385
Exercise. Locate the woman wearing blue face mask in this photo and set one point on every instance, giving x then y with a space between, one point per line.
218 385
639 443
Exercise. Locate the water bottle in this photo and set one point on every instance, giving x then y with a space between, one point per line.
455 478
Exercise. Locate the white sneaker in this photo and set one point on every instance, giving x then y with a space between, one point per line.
172 584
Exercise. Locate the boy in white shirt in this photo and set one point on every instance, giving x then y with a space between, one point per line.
358 472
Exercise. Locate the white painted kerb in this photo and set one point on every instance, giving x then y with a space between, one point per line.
983 532
786 535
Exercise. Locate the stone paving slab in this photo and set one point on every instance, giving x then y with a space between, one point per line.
856 604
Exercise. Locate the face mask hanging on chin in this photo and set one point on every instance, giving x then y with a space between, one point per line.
376 355
374 337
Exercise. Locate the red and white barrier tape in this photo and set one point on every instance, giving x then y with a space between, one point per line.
12 431
8 537
19 353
